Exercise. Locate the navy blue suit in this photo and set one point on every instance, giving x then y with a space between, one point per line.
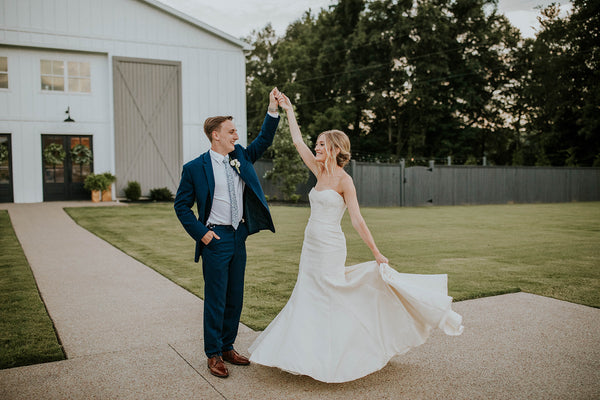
224 260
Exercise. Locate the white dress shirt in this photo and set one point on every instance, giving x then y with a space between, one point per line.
220 213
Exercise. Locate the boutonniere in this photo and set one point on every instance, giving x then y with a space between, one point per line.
235 164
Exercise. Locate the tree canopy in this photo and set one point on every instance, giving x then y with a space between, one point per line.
438 78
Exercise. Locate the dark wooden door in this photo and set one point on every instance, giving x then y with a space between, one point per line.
6 186
63 177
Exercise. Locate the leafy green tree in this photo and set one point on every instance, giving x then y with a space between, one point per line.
288 168
260 77
380 74
563 86
438 77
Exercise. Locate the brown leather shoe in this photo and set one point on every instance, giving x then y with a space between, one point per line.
217 367
234 357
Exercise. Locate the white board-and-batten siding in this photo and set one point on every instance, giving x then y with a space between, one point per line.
212 75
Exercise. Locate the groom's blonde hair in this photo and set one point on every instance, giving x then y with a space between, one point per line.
334 140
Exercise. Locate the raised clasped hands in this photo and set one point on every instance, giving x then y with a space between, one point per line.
274 96
284 102
277 98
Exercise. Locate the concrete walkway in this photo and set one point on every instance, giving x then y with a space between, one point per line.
128 332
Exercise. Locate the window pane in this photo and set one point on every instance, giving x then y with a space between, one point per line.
80 171
54 173
3 81
79 85
58 68
46 67
3 64
73 68
53 157
75 140
74 85
46 83
85 85
4 164
5 173
58 84
84 69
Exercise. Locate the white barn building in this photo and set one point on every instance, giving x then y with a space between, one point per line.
131 80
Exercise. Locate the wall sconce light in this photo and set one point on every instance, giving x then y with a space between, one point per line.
68 112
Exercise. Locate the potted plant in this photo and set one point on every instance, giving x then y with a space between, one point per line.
107 193
95 183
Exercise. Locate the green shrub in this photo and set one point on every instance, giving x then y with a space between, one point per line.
110 178
133 191
161 194
288 169
294 198
95 182
472 160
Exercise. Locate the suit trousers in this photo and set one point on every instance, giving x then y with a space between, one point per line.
223 268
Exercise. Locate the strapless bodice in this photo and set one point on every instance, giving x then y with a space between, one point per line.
326 206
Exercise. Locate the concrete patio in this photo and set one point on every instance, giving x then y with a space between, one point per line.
130 333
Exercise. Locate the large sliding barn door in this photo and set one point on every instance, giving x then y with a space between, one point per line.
148 129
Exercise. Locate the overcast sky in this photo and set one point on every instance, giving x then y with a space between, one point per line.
240 17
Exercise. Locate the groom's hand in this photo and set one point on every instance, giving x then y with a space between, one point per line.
274 100
210 235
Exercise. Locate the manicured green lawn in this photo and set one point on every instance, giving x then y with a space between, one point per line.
26 332
547 249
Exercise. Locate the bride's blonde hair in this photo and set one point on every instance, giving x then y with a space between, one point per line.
335 140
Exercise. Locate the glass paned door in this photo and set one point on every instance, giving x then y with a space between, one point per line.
6 187
67 160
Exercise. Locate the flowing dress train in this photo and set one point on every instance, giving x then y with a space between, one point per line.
342 323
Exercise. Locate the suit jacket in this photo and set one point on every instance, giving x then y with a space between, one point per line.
197 185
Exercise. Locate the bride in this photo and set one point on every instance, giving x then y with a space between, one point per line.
342 323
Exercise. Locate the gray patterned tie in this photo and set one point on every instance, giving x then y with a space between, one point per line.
235 218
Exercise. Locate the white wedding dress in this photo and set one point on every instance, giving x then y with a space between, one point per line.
342 323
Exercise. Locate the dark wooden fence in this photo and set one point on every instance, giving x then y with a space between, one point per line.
393 185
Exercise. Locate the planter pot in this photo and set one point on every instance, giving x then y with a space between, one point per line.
95 196
107 194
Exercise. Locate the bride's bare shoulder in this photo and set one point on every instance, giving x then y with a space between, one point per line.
346 179
346 183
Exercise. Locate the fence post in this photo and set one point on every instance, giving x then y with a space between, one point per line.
449 160
431 167
402 182
352 168
484 161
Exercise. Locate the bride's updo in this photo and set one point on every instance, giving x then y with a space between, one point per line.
335 140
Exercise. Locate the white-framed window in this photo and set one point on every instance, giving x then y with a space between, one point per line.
53 75
3 72
76 77
79 77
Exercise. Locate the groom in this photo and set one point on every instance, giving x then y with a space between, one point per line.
231 205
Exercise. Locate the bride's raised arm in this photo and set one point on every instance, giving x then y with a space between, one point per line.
307 156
